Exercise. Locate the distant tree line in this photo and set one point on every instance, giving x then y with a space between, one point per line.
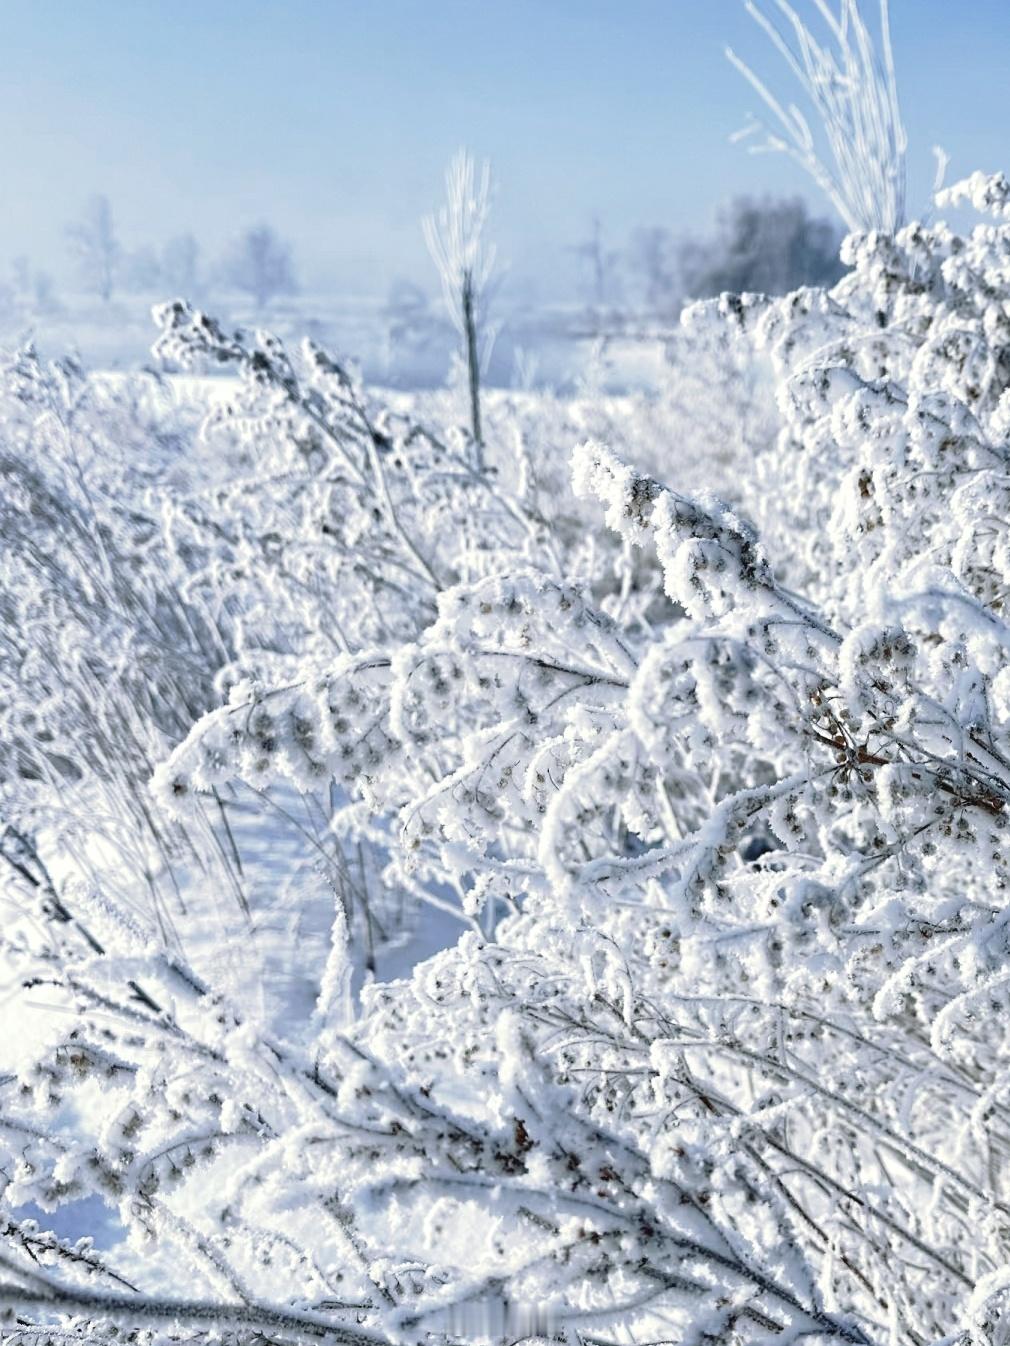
764 245
761 244
258 263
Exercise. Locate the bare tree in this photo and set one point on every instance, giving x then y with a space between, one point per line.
95 246
32 288
764 246
455 241
600 272
260 265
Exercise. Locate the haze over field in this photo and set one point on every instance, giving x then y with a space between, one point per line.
332 120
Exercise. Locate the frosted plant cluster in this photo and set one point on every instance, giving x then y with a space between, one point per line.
103 661
721 1053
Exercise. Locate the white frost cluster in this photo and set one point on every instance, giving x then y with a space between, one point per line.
722 1052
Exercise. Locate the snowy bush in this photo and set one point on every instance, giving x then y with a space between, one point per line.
103 662
722 1054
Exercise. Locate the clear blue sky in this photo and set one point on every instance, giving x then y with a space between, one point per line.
333 119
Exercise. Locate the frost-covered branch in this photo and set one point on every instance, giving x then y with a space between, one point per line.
853 90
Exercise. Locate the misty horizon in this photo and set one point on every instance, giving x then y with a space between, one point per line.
332 124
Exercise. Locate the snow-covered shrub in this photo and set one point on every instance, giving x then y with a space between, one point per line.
723 1055
714 415
338 528
345 521
102 662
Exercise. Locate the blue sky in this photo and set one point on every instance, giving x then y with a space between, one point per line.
333 119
